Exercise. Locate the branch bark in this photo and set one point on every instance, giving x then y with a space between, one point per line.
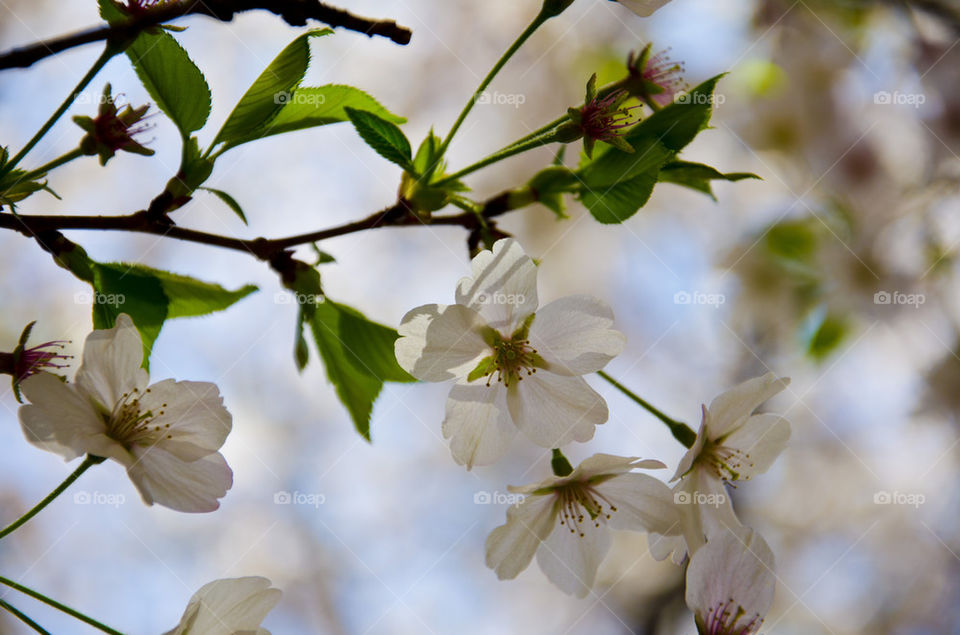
397 215
293 12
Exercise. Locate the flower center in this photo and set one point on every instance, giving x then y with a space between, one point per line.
722 619
601 119
724 461
578 501
511 360
129 425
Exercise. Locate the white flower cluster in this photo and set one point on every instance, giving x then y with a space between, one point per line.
516 366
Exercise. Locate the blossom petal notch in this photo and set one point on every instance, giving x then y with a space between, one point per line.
730 584
229 607
166 435
516 368
566 520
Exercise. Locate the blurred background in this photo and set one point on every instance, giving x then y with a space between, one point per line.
837 269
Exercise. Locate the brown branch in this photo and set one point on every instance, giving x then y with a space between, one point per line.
293 12
398 215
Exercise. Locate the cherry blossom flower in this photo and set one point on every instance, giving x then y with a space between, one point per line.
232 606
730 584
566 520
733 444
515 367
165 435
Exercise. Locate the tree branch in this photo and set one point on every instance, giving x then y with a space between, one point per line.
398 215
293 12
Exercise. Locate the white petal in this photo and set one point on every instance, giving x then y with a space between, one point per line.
601 463
554 410
194 410
570 559
688 459
732 571
643 8
503 287
510 547
759 442
705 508
478 424
662 547
61 420
731 408
441 342
574 337
643 504
111 363
194 487
227 607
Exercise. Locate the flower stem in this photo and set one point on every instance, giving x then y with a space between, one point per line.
681 431
531 28
560 464
500 155
23 617
57 605
87 464
56 163
105 57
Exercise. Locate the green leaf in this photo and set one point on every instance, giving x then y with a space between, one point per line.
427 153
312 106
149 296
550 184
620 201
831 331
697 176
229 201
356 388
172 79
678 123
270 91
383 136
616 184
370 346
357 353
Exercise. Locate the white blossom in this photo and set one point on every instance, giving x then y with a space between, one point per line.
166 435
730 584
233 606
516 367
566 520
